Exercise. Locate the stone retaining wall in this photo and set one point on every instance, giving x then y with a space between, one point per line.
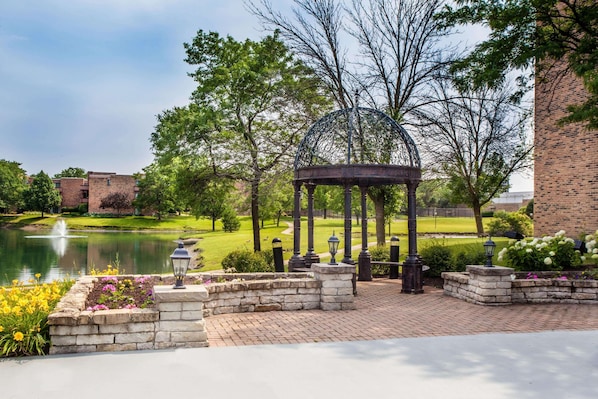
498 286
177 318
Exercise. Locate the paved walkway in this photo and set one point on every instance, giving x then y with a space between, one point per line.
393 346
383 312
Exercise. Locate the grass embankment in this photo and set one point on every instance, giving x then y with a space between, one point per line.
216 244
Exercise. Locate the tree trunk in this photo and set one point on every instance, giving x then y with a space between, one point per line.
477 213
255 217
379 206
213 223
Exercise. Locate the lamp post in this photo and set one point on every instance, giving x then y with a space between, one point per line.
180 260
333 242
489 247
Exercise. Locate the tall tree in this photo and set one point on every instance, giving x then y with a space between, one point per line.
477 141
42 194
252 101
71 172
524 32
399 51
12 184
156 191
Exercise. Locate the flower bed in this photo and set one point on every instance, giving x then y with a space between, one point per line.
24 313
500 286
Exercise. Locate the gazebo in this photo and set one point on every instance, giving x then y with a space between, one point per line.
360 147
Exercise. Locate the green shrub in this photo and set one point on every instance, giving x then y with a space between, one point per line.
548 253
230 221
468 256
438 258
380 254
246 261
509 221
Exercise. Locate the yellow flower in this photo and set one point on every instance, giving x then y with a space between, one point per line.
1 328
38 275
18 336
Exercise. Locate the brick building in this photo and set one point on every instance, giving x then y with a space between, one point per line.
565 162
90 191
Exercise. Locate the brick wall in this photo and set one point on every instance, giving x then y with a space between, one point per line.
70 191
565 162
102 184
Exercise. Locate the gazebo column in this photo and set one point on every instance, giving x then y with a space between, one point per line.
296 260
412 267
348 217
310 255
364 259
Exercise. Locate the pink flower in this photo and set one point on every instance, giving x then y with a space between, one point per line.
108 287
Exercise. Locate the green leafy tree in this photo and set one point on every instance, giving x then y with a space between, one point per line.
118 201
71 172
230 221
476 141
276 198
205 194
323 199
42 194
532 33
400 49
156 191
13 182
253 100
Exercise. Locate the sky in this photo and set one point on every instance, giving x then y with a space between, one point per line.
81 82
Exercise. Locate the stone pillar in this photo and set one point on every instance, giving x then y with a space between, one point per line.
181 321
296 260
310 255
336 285
365 259
490 285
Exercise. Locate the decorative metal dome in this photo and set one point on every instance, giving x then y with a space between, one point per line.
357 136
357 146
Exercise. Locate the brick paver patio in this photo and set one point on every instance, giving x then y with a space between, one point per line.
383 312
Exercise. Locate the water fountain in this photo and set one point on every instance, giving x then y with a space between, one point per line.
59 237
59 230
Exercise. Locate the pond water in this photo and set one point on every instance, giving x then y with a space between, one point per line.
22 256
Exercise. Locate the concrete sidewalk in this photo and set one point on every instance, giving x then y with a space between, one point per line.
547 365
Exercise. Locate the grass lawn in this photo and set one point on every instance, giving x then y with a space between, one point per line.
216 244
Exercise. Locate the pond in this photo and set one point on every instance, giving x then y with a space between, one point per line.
22 256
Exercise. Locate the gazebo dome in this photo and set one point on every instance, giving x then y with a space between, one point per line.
362 145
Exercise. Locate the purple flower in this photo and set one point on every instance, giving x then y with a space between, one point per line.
108 287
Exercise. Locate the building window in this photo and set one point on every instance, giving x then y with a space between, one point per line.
85 194
107 182
57 184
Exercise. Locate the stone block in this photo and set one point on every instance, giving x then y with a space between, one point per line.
348 306
144 346
113 316
133 338
60 350
75 330
268 307
192 306
311 305
337 299
170 315
181 326
95 339
337 284
329 291
116 347
271 299
171 306
144 315
162 336
192 293
126 328
584 296
64 340
341 268
192 315
309 291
